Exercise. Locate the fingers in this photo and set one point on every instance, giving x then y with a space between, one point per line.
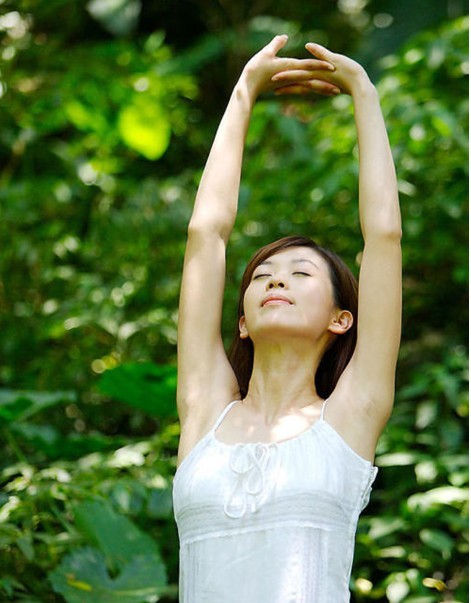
277 43
308 86
286 64
316 81
320 51
297 75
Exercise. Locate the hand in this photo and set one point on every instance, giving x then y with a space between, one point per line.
347 75
259 71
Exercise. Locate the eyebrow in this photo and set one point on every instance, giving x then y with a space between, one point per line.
295 261
300 260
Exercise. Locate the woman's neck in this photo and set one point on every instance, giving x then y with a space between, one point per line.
283 378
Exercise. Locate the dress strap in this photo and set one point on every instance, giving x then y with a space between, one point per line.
324 404
223 414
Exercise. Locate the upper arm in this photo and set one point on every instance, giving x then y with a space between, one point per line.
204 373
373 364
363 397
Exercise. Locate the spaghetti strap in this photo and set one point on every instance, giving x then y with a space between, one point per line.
324 404
223 414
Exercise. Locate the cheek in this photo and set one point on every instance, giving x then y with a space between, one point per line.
248 304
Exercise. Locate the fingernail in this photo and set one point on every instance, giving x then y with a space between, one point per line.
336 90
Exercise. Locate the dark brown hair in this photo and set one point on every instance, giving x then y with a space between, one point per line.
338 354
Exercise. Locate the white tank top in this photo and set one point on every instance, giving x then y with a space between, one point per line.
269 523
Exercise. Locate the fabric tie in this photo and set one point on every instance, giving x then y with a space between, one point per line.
249 462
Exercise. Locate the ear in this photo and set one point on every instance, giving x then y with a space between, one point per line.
341 322
243 328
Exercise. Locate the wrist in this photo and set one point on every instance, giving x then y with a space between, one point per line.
363 88
245 91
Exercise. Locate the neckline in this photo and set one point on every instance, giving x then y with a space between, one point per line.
298 436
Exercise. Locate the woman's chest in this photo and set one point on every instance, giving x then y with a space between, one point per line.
249 476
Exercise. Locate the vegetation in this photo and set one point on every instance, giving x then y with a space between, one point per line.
106 124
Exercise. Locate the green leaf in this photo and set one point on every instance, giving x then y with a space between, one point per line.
397 459
128 495
445 495
55 445
438 540
115 535
82 577
145 128
18 405
145 386
8 583
85 118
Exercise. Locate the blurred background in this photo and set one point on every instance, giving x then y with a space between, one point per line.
107 112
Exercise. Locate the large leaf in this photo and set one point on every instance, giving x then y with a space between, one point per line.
17 405
145 386
82 577
115 535
138 573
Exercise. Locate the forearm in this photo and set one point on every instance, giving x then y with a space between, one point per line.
215 207
378 195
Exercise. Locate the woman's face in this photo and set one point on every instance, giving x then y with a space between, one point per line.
290 294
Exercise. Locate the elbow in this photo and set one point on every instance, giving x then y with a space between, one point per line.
385 226
198 229
388 233
392 232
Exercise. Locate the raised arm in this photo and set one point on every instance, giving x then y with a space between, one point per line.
373 365
371 373
206 381
368 382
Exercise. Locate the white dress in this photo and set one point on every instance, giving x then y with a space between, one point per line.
269 523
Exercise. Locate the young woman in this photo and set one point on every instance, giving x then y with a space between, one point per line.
277 444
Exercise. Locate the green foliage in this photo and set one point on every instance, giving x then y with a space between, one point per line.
18 406
102 144
54 521
129 554
416 535
145 386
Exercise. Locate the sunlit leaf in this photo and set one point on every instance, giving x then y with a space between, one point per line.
445 495
145 128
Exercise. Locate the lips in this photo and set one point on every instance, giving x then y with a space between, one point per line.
276 299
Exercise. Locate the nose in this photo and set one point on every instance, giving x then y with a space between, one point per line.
276 283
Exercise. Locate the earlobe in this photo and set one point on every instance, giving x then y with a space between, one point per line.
341 323
243 333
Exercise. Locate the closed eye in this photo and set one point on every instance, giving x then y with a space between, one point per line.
260 276
303 273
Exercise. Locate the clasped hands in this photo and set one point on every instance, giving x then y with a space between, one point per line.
326 74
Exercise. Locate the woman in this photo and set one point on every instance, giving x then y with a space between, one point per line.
273 476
